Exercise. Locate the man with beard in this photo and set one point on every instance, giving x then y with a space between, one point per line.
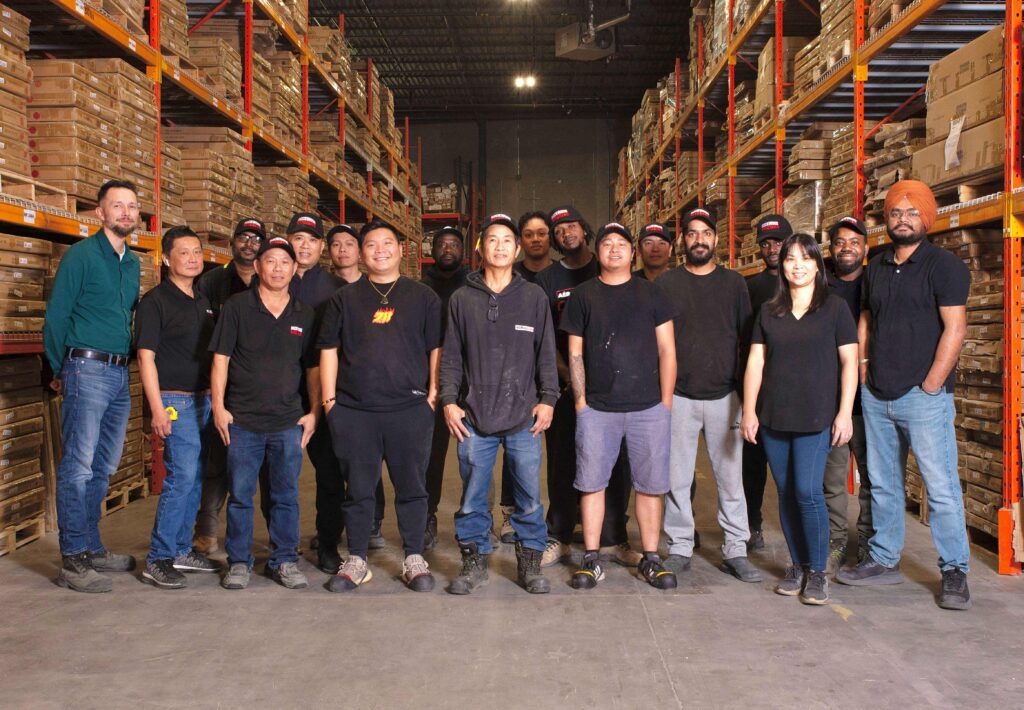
444 277
712 327
655 244
848 242
912 326
572 233
87 336
772 229
535 236
218 285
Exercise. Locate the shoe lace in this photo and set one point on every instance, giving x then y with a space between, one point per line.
552 544
415 565
353 567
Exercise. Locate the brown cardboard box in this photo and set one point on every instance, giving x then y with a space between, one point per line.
41 133
977 103
62 68
26 245
961 68
979 150
71 115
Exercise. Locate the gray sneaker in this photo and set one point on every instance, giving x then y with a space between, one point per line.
192 561
288 575
793 583
353 573
836 555
162 574
677 564
237 576
741 569
815 589
870 573
108 561
77 573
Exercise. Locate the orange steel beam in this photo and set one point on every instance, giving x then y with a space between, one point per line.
780 131
731 178
860 76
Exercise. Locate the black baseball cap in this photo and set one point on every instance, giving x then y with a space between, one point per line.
561 215
250 224
502 219
702 215
848 222
773 226
342 229
613 228
452 230
306 222
655 230
276 243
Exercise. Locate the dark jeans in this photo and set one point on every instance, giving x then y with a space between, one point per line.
215 488
563 498
362 441
282 452
94 418
435 468
798 467
755 477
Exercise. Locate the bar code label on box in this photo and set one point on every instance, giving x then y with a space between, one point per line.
80 7
131 44
83 230
28 217
954 220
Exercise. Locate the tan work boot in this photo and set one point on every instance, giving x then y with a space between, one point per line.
205 544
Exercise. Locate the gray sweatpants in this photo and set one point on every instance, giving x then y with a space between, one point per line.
719 419
837 470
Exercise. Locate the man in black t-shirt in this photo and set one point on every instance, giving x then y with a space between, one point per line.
772 230
578 265
712 327
173 325
655 243
380 344
444 277
535 236
848 243
218 285
622 360
261 345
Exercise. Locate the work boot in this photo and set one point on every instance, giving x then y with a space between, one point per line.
756 541
416 574
192 561
353 573
107 561
836 555
508 533
554 552
741 569
474 570
376 537
793 583
328 559
205 544
77 573
288 575
955 594
654 571
623 554
870 573
237 576
430 534
815 590
528 570
161 573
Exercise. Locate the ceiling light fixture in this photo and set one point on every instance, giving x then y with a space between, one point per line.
531 82
520 82
527 82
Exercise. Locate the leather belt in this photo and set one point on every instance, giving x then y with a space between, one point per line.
110 359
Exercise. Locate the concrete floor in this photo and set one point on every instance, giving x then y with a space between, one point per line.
714 642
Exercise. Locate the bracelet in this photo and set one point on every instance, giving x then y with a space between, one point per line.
864 361
327 401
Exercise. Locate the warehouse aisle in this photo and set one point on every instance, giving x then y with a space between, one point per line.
715 642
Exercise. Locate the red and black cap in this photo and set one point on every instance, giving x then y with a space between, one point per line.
276 243
341 229
502 219
561 215
613 228
654 230
250 224
848 222
452 230
702 215
306 222
773 226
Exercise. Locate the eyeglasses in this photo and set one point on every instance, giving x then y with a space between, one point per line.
249 238
900 214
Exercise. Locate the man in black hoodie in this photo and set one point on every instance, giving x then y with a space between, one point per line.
498 386
446 275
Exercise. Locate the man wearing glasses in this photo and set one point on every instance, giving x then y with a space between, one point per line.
217 286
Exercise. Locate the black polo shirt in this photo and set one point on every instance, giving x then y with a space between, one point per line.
267 355
383 349
761 287
315 288
904 301
177 327
221 283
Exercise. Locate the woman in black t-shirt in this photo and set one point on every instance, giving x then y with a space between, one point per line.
800 339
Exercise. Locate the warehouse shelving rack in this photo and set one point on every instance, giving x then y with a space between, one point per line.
880 80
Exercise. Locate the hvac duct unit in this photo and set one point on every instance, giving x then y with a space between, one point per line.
573 42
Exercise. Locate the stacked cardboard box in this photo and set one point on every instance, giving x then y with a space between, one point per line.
809 161
964 128
285 191
208 171
71 112
881 12
803 208
840 201
836 32
806 66
764 92
220 63
174 28
896 144
261 87
325 142
23 494
328 45
439 198
129 480
24 261
286 96
716 200
15 77
172 186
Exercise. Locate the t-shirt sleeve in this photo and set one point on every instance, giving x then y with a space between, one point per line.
757 334
574 318
951 282
432 327
329 335
148 324
225 335
846 329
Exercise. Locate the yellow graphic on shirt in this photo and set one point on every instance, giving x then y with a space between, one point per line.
383 316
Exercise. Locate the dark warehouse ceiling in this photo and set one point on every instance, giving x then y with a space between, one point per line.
456 59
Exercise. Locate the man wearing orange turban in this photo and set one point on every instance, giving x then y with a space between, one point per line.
912 327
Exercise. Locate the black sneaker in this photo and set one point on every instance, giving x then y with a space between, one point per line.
655 573
77 573
108 561
815 590
328 559
793 583
474 571
589 573
162 574
955 594
192 561
869 573
430 534
836 555
756 541
741 569
696 540
376 537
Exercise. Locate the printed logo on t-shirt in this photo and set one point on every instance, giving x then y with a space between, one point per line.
209 312
562 294
525 328
296 330
383 316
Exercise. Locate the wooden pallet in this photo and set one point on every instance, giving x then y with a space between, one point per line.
25 188
970 188
15 536
126 493
887 15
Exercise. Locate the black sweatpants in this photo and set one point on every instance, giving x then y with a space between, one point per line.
563 498
438 453
362 441
755 478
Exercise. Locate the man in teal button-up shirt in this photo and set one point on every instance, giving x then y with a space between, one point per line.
87 335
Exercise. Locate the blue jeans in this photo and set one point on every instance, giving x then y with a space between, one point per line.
184 457
283 453
477 455
797 461
94 418
924 423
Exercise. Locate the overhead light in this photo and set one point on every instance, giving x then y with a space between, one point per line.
520 82
527 82
531 82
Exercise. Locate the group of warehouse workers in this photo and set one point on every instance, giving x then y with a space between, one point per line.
243 367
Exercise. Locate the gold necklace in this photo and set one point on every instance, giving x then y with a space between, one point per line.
384 296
